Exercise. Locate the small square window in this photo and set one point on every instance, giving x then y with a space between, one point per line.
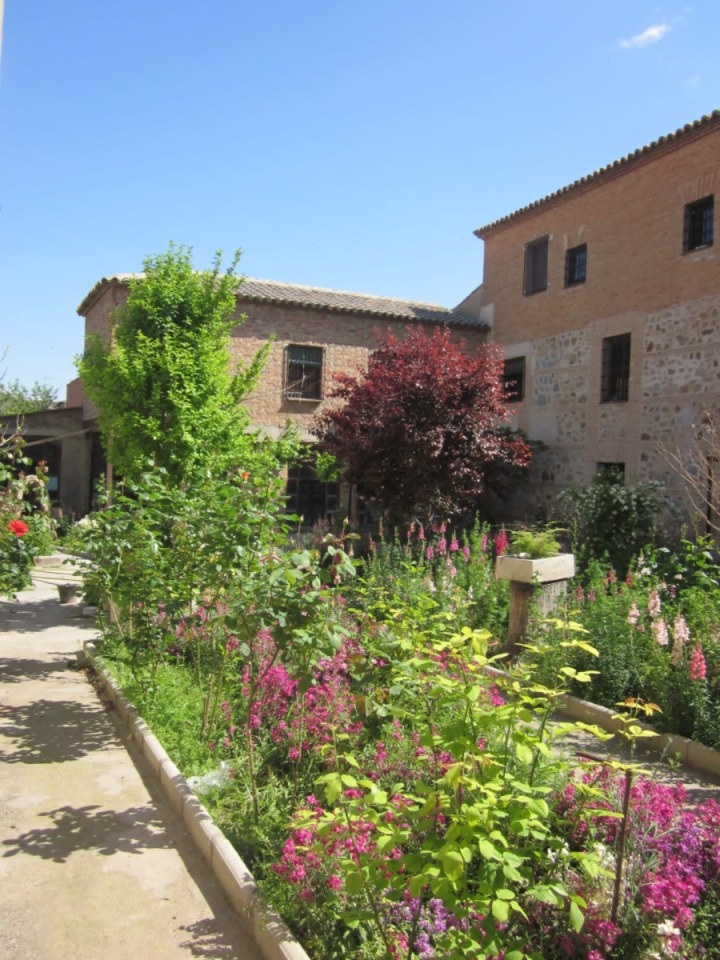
576 265
303 374
699 217
615 381
536 266
514 379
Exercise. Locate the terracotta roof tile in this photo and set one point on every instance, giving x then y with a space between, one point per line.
338 301
341 301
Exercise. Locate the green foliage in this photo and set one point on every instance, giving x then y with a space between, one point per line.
612 521
657 636
361 718
535 544
436 569
25 527
162 382
16 399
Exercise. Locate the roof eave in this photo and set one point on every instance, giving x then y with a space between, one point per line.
616 169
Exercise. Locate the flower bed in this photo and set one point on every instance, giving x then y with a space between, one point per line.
389 798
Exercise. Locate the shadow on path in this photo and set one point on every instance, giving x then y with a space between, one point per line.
21 616
91 828
208 940
18 669
53 731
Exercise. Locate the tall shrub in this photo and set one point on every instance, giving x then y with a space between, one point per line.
162 381
423 430
611 520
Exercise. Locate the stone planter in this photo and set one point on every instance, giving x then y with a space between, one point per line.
523 570
68 592
542 581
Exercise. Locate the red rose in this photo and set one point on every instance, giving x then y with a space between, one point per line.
18 527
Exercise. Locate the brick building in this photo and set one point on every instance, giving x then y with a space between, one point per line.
317 332
606 298
604 295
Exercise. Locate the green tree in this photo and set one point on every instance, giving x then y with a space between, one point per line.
162 382
17 399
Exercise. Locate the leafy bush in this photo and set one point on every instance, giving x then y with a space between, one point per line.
535 544
25 528
658 640
611 521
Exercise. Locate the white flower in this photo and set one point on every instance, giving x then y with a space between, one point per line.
666 929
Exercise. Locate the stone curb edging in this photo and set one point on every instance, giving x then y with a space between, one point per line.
270 933
689 752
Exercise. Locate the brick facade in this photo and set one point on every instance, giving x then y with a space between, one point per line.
343 327
640 281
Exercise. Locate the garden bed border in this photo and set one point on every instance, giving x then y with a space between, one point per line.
273 938
690 752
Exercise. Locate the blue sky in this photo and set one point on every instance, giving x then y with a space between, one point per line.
338 144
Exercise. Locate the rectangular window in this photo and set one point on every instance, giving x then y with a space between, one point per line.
576 265
615 381
308 497
303 374
536 266
514 379
699 217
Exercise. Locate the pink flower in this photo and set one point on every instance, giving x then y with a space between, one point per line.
698 670
633 614
334 882
454 545
466 553
681 636
654 604
502 542
660 632
429 553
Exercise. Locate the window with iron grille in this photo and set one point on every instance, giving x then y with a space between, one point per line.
699 217
514 379
536 266
576 265
615 380
308 497
303 374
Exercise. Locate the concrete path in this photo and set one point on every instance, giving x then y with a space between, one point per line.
94 864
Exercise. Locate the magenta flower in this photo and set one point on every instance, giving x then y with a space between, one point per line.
502 541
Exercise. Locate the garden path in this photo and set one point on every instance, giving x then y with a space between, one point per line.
699 785
94 863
